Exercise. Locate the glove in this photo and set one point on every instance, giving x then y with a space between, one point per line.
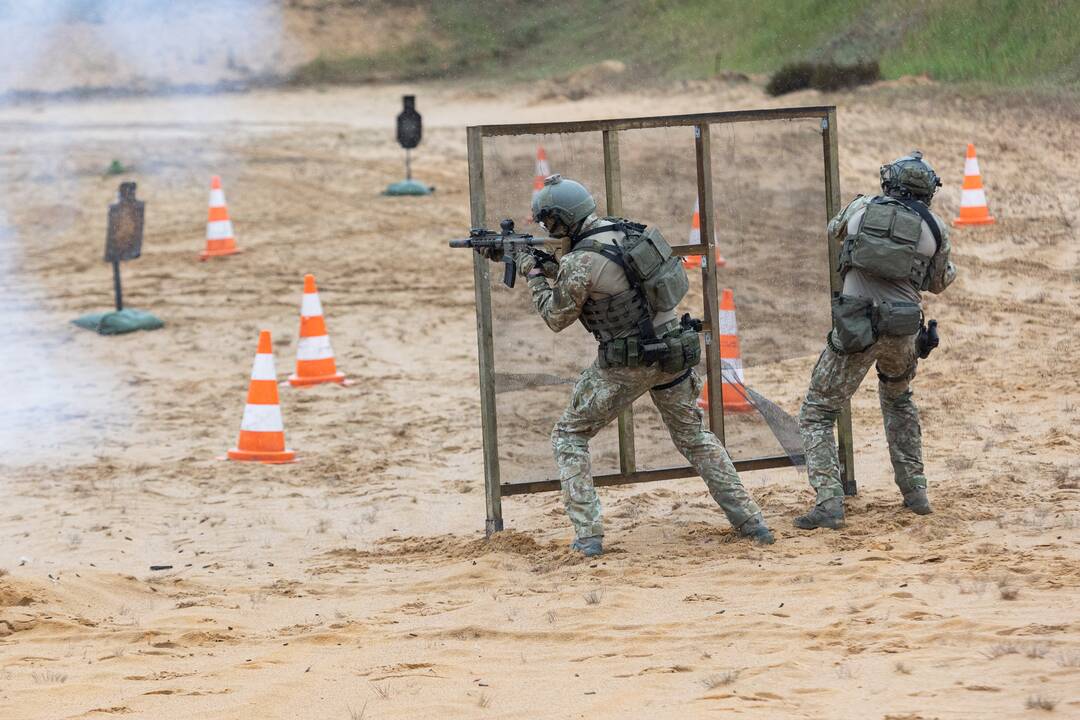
495 254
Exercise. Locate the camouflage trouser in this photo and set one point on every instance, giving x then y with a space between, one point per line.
598 398
834 380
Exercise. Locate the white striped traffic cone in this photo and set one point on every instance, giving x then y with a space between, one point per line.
973 209
692 261
734 396
219 229
314 356
262 431
542 169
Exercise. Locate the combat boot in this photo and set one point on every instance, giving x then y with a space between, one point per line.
827 514
916 501
589 546
756 529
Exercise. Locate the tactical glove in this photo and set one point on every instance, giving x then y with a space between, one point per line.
495 254
551 269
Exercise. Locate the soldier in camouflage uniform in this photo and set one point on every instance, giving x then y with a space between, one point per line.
890 253
621 281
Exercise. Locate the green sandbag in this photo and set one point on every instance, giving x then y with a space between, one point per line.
408 187
119 322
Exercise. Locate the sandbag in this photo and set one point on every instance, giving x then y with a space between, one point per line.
119 322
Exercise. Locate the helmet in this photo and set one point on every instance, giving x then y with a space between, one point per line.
910 175
564 200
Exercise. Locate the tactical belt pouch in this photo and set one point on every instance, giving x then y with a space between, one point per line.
622 352
898 318
683 350
853 324
676 351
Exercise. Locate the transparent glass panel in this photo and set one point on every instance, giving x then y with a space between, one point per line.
769 198
535 368
659 189
769 216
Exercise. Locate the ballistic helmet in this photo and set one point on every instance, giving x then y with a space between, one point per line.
910 175
564 200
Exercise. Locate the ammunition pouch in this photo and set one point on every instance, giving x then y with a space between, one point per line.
678 350
853 324
683 350
898 318
622 352
858 322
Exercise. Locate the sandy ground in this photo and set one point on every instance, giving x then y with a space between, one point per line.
357 582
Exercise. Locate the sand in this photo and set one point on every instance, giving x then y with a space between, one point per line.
357 582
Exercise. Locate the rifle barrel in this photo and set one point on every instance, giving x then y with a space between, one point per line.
497 240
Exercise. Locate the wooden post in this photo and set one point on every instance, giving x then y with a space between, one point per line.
831 150
484 340
703 150
613 192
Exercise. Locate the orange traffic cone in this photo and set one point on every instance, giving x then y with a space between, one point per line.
693 261
314 356
973 209
734 395
542 169
262 432
219 229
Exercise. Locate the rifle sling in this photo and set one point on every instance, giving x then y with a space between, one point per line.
926 215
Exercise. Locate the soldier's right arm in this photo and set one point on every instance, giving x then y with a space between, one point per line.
560 304
838 225
942 271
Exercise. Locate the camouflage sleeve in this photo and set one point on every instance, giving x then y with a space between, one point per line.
942 271
560 304
838 225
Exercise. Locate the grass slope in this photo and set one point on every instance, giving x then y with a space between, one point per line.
1007 42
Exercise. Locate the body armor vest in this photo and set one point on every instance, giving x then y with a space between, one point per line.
616 316
657 280
886 244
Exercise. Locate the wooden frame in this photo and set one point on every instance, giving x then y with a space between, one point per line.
701 122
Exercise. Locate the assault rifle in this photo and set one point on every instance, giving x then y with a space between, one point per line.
509 243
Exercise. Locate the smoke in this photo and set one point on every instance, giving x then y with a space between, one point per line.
62 397
81 47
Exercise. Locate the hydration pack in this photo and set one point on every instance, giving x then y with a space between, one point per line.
886 244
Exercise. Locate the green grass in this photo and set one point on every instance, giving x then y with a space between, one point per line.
1004 42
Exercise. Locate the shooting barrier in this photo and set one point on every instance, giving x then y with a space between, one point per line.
766 182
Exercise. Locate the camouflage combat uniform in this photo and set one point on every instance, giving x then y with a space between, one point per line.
837 376
602 393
